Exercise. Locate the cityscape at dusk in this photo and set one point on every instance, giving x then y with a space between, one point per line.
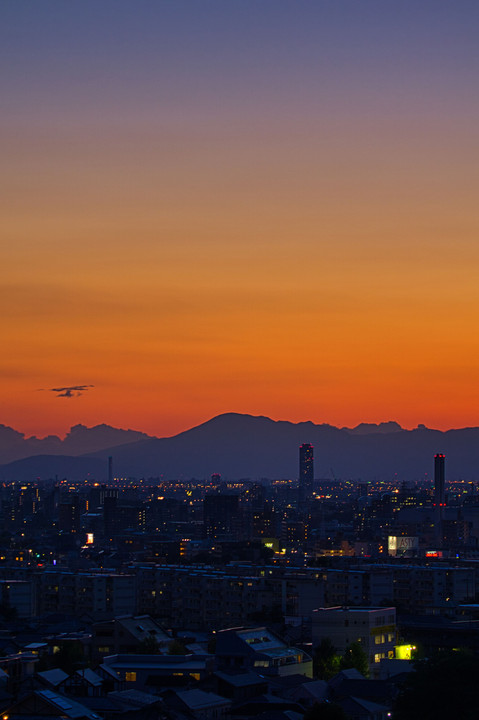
260 207
239 430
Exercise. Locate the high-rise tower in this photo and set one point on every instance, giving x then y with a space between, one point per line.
439 496
439 480
306 471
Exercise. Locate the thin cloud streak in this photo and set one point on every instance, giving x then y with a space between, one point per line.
69 391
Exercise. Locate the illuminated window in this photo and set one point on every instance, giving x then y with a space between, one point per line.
130 676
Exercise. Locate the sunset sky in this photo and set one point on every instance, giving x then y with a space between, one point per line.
258 206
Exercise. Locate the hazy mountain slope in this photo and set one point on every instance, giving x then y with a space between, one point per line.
78 441
46 467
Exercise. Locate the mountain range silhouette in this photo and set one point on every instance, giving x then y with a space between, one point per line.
240 446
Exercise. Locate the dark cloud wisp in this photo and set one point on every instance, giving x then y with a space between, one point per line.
70 391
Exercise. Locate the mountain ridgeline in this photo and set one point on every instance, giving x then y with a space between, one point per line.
242 446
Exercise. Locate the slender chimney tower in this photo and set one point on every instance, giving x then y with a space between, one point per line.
439 497
110 470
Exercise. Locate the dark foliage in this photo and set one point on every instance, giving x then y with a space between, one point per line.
355 657
443 687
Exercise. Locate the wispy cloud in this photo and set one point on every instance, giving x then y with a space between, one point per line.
69 391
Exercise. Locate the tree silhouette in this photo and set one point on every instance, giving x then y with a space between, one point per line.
441 688
326 661
355 657
176 647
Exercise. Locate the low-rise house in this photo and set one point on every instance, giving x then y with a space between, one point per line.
50 704
19 667
197 703
84 683
260 650
308 693
136 704
141 672
360 709
240 686
127 634
52 679
266 703
111 680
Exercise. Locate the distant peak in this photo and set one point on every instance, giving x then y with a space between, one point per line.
234 416
77 428
382 428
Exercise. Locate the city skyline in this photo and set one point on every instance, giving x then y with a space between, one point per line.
263 208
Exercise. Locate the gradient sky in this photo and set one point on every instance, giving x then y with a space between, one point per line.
262 206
